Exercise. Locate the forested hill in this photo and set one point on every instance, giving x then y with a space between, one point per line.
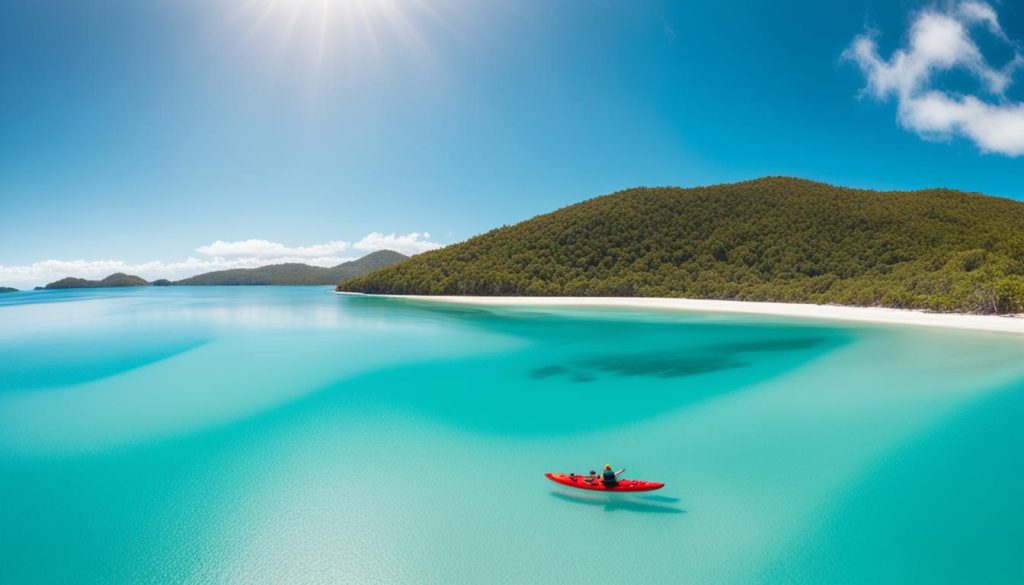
296 274
771 239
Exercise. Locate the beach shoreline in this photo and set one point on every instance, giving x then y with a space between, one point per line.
882 315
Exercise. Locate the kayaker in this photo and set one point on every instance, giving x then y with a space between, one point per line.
609 478
592 477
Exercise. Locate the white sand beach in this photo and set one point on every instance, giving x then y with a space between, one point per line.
1006 324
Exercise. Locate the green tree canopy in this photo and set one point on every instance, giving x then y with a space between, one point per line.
772 239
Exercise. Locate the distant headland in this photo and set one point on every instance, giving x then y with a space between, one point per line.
296 274
277 274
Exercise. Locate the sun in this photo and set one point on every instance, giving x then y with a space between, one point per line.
325 36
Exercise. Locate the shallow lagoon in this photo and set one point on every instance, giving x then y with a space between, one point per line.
253 435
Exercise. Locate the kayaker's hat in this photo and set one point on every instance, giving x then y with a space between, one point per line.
607 467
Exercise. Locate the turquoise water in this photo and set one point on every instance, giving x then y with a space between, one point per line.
262 435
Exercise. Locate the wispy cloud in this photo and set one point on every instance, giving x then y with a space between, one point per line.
409 244
941 40
670 33
219 255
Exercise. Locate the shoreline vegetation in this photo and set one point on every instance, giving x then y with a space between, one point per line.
880 315
775 239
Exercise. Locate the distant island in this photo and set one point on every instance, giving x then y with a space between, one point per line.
118 279
7 289
774 239
297 274
277 274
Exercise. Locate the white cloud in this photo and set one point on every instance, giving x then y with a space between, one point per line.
408 244
221 256
268 249
940 41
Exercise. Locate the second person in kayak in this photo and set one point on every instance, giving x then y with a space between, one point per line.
609 478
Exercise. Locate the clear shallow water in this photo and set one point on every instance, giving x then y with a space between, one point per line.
254 435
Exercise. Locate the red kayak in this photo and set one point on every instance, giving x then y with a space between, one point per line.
624 485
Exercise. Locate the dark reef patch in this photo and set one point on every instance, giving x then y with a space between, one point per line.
662 366
675 364
548 371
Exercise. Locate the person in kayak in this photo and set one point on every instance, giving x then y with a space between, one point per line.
609 478
591 478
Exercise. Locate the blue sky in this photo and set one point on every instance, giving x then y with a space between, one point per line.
146 133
